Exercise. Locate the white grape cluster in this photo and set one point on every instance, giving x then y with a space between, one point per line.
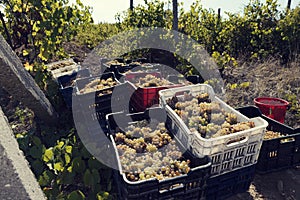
273 134
148 151
207 118
151 81
99 84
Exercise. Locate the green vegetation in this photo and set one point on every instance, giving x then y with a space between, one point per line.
259 32
60 162
91 35
38 28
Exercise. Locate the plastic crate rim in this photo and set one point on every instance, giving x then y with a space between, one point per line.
262 124
93 78
182 89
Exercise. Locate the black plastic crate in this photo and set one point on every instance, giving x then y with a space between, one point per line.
143 67
95 105
278 153
194 79
141 60
66 84
96 100
112 66
89 125
229 184
188 186
120 71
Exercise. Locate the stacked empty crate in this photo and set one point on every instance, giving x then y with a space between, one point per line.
65 72
233 155
281 145
63 67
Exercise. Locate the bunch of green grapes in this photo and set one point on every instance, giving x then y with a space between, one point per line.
148 151
205 117
152 81
273 134
99 84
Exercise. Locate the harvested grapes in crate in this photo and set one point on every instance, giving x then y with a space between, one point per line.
103 84
115 62
147 85
205 116
280 147
93 98
208 126
148 151
63 67
272 134
61 64
152 162
98 84
150 81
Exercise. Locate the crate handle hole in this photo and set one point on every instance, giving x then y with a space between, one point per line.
171 188
182 92
237 141
287 140
272 154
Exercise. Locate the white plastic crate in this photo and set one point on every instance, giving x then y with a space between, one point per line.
68 67
193 89
226 154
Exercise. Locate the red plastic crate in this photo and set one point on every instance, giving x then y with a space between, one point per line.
146 97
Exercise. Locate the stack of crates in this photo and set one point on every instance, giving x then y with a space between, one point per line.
95 104
233 156
92 107
65 72
67 82
145 97
276 153
225 165
186 186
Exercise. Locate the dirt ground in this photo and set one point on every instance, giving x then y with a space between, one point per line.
281 185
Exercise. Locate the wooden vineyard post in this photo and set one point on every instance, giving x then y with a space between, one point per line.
175 15
131 5
289 4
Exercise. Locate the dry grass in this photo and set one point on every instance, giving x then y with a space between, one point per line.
268 78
